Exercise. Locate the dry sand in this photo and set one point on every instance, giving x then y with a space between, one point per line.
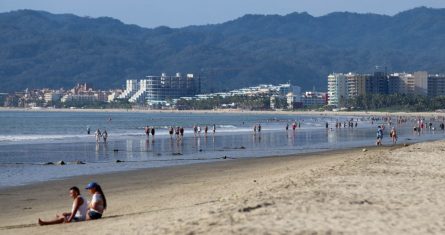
388 190
240 111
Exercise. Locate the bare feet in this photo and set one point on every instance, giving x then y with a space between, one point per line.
41 222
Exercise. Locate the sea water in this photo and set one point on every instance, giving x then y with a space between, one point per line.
31 140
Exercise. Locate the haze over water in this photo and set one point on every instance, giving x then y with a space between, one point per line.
29 140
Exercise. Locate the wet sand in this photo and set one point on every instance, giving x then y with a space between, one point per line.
388 190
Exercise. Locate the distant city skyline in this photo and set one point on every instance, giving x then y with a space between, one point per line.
177 13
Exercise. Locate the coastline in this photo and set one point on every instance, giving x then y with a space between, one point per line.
381 190
237 111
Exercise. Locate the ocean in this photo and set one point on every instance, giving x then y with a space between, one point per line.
30 142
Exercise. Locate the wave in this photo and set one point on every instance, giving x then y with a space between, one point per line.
18 138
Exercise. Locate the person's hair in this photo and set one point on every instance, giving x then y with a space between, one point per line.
99 189
75 189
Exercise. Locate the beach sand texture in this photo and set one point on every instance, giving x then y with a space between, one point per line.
388 190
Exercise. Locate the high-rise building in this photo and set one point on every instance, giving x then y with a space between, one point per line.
401 83
436 85
377 84
357 84
421 83
337 89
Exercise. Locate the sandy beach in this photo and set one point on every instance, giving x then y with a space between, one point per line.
239 111
388 190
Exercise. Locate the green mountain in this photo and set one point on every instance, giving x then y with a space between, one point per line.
40 49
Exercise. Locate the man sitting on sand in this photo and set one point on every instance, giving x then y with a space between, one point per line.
78 212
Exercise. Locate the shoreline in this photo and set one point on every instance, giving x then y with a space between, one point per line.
236 111
173 167
382 190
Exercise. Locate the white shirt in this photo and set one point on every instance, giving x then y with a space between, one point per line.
98 198
81 213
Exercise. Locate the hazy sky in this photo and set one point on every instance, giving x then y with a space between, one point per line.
177 13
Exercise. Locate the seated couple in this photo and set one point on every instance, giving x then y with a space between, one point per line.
82 210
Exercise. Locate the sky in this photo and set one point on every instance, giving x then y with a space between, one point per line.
179 13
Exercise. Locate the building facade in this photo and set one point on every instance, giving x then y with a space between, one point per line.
337 89
436 85
162 88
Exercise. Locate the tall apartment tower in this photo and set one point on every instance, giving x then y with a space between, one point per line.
337 89
436 85
421 83
357 84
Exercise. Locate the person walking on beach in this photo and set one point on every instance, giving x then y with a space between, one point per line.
393 135
206 129
259 128
214 128
105 136
98 201
78 211
98 135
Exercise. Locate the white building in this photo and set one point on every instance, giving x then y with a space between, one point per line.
337 89
132 86
52 96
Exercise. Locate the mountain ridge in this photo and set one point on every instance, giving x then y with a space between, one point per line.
42 49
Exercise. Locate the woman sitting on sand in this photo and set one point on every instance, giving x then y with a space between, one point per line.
98 203
78 212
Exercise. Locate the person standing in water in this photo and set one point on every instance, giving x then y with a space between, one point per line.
88 130
177 132
153 132
206 129
287 126
214 128
379 136
195 130
147 131
98 135
181 131
105 136
393 135
170 131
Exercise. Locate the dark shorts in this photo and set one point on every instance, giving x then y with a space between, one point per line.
75 219
94 215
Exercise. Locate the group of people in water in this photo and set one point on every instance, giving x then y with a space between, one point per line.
99 135
178 131
197 130
82 210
